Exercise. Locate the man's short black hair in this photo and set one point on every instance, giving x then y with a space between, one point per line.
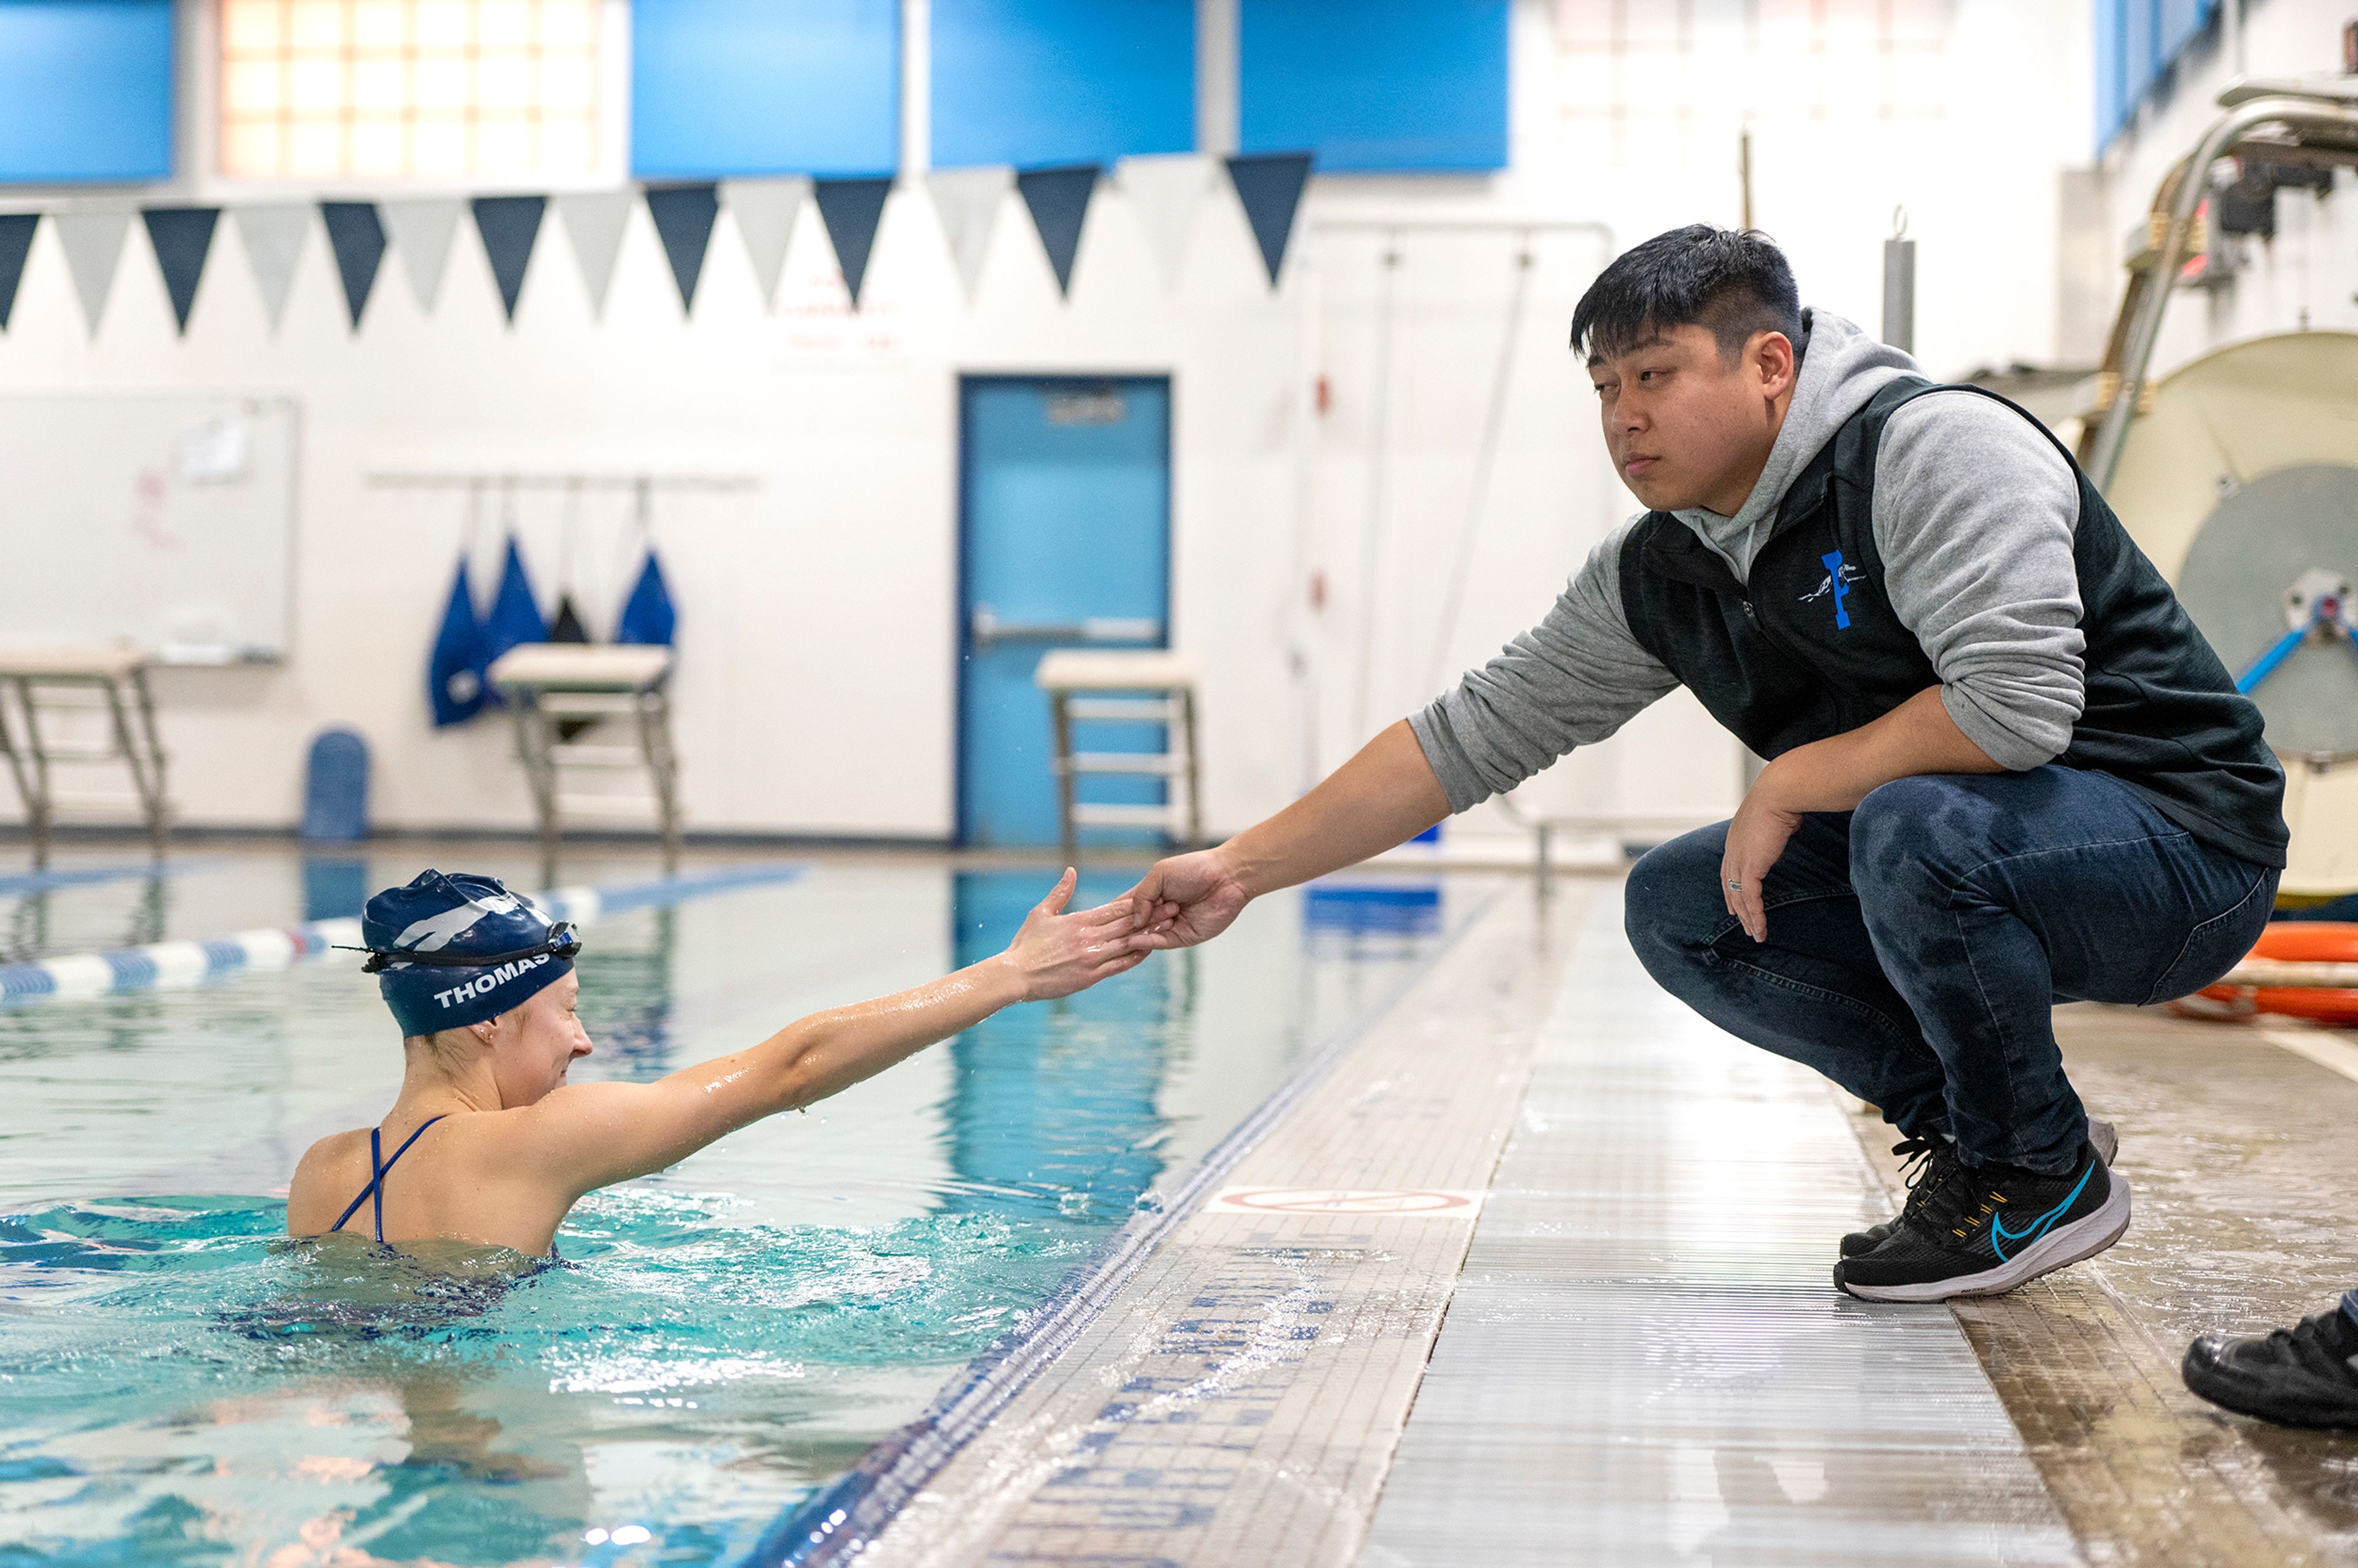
1734 283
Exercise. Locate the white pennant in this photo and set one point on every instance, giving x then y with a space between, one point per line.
969 201
594 221
94 238
766 212
1165 190
421 231
273 238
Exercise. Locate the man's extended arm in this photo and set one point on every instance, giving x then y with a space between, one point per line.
1569 681
1386 794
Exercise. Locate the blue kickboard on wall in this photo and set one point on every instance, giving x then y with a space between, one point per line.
335 789
1336 904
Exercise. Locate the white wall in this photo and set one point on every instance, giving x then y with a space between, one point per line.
819 643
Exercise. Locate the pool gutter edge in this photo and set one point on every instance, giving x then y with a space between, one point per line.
843 1519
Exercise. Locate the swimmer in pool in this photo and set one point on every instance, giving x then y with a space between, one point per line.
501 1145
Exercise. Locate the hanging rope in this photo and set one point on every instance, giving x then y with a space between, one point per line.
1485 462
1371 537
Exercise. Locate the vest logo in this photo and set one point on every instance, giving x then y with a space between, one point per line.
1839 577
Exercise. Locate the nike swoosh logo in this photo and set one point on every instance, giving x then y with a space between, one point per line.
1999 1233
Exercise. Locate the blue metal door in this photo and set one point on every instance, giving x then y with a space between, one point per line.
1066 494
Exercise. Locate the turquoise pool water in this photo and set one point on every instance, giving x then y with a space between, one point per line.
178 1384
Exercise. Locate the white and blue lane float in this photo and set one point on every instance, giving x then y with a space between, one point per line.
177 965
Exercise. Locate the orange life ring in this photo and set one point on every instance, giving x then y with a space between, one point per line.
2295 941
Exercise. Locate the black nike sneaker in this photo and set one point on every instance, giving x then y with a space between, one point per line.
2302 1376
1990 1228
1930 1160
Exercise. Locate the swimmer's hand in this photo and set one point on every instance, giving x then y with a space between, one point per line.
1185 899
1058 954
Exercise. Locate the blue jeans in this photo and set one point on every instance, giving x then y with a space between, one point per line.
1917 945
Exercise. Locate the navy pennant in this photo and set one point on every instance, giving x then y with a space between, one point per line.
1059 200
15 239
183 237
356 234
1269 185
683 215
509 225
851 209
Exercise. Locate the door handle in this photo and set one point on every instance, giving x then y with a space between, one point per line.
988 630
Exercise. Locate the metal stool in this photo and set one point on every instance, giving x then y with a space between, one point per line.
546 683
1149 686
49 682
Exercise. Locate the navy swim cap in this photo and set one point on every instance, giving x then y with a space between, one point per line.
451 951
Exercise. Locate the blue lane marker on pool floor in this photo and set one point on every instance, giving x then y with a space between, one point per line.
172 965
42 881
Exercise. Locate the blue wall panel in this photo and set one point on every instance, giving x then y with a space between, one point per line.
2112 62
747 87
1378 84
86 91
1035 83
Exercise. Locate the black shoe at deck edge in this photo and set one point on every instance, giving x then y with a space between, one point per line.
2100 1134
2302 1376
1991 1228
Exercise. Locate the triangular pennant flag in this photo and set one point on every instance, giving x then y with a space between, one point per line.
357 236
509 225
182 238
93 237
1164 190
594 221
1269 185
515 615
647 615
454 673
273 237
567 627
15 239
1059 200
684 216
967 202
765 210
422 230
851 209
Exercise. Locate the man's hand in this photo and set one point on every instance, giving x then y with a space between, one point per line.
1185 899
1756 841
1835 775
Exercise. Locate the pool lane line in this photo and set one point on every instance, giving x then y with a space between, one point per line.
175 965
843 1521
145 871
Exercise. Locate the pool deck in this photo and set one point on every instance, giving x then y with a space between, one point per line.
1632 1354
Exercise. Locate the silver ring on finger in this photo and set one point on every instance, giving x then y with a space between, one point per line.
1737 886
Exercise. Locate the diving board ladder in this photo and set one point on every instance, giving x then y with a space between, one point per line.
1124 686
52 684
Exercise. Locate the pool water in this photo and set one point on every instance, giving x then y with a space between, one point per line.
180 1384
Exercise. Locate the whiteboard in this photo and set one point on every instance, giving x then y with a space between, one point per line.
166 518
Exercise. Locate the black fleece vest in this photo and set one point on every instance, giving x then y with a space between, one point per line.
1810 647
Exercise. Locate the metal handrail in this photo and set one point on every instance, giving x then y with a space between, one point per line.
2149 292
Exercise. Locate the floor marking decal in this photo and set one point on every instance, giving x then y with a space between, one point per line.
2329 1051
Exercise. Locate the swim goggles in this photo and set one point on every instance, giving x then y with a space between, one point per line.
561 942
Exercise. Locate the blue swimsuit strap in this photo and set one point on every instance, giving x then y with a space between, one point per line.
378 1167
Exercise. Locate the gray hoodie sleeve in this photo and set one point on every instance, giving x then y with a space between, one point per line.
1974 515
1571 680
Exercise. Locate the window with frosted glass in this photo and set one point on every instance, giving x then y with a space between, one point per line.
437 89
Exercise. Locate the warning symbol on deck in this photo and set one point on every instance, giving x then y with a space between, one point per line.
1434 1203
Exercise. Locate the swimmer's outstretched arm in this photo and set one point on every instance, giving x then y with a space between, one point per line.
587 1135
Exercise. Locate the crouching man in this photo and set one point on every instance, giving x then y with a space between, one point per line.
2005 769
